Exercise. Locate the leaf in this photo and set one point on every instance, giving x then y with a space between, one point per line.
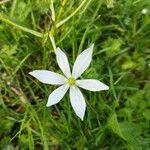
147 91
129 132
146 114
5 19
113 125
132 132
128 64
113 46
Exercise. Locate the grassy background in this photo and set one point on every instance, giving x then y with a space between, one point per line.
118 119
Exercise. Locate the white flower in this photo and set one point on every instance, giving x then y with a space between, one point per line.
110 3
144 11
70 80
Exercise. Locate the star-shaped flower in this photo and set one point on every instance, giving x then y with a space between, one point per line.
70 80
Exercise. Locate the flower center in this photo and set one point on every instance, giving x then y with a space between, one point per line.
71 81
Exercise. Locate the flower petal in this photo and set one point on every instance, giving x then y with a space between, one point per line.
57 95
91 84
82 62
48 77
63 63
77 101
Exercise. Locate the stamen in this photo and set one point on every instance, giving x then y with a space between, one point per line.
71 81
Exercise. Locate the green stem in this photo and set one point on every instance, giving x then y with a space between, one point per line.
52 10
13 8
52 41
71 15
6 20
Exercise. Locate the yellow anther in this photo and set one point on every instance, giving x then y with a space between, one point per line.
71 81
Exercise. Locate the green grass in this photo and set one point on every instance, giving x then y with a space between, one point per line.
118 119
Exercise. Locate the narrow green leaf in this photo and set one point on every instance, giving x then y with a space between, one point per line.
8 21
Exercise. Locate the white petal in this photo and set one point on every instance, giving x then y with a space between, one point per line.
48 77
82 62
92 85
63 63
77 101
57 95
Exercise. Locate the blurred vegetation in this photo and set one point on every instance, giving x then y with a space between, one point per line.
118 119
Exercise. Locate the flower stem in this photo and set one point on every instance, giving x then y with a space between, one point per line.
52 41
53 27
